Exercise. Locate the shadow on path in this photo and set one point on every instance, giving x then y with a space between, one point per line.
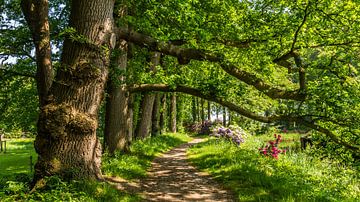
171 178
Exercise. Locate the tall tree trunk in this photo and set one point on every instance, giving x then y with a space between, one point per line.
36 15
208 111
198 109
117 115
229 117
180 112
224 116
193 109
66 142
131 101
144 127
202 112
173 113
163 114
217 112
155 128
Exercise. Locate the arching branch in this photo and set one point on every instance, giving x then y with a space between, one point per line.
242 111
184 56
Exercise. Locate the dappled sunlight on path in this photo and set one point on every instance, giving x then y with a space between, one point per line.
172 178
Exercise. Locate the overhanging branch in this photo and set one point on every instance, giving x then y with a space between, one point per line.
184 56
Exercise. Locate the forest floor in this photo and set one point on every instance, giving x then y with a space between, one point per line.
172 178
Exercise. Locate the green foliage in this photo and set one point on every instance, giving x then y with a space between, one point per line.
134 165
296 176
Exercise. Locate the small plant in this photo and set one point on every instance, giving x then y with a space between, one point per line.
234 134
271 149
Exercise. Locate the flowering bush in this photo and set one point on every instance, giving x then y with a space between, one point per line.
234 134
271 148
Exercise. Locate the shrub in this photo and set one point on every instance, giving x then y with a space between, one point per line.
234 134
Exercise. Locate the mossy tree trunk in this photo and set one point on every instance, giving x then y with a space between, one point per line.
66 142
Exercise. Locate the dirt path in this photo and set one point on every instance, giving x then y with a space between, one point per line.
172 178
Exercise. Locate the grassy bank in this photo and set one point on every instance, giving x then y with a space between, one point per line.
296 176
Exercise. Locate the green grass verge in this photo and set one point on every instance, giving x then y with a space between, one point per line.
17 157
133 165
296 176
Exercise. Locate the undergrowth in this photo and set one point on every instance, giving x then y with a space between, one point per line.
16 188
296 176
133 165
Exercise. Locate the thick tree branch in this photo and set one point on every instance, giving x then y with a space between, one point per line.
184 56
36 15
242 111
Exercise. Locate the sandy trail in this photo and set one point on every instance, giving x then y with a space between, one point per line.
172 178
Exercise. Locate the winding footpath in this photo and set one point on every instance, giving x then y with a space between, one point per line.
171 178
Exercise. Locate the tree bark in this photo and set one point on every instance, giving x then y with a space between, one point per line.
208 111
198 112
155 128
173 113
144 128
229 118
202 112
163 114
193 109
117 134
36 16
66 142
117 121
224 116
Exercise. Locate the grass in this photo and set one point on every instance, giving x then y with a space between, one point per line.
296 176
135 164
17 157
15 163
